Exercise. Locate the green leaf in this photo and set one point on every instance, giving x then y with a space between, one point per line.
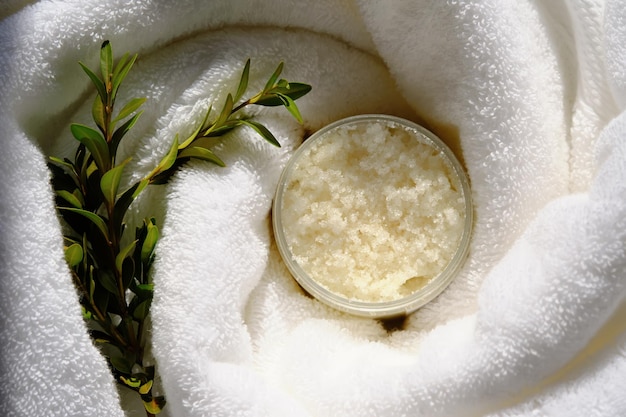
149 243
73 255
296 90
96 144
93 217
128 272
110 182
224 129
70 198
96 81
168 160
293 91
142 310
290 105
143 291
243 82
101 299
97 113
121 364
141 185
107 280
121 131
85 245
64 163
80 156
204 154
120 64
124 201
119 76
61 171
262 130
270 83
124 253
165 176
130 107
106 60
194 135
84 161
86 313
224 115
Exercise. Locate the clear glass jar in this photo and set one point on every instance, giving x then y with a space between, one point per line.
379 309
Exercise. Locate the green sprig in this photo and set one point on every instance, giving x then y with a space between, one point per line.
112 279
276 92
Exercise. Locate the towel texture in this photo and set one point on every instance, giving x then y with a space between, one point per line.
529 94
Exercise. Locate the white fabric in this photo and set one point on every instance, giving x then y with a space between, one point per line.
530 94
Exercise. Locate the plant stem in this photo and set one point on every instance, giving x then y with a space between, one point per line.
251 100
101 317
108 111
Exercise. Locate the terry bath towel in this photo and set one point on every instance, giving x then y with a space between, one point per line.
530 95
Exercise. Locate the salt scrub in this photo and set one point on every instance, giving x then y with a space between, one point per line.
373 212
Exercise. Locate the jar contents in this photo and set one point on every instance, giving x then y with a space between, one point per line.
372 211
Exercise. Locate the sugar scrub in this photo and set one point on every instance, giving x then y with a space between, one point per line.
372 210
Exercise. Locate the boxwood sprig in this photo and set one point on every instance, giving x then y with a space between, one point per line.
113 278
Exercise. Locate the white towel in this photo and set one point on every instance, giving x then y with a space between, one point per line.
529 94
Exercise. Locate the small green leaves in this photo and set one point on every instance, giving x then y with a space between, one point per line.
129 108
123 254
272 80
121 364
196 133
120 73
224 115
111 273
276 92
97 113
149 243
169 158
292 90
281 93
121 64
141 311
167 161
107 280
97 82
73 255
95 143
202 154
75 198
112 278
141 185
121 131
262 130
106 61
243 83
93 218
290 105
110 182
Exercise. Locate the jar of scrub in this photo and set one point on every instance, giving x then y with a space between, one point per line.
373 216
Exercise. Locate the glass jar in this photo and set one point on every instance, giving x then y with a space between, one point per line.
327 250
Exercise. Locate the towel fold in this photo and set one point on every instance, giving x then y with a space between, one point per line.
529 95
